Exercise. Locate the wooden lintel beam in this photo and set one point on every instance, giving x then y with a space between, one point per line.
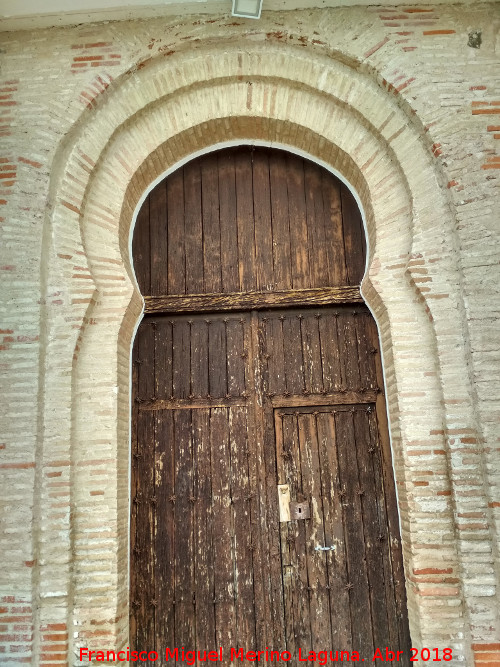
322 296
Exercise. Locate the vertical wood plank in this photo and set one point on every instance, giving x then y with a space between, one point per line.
176 233
294 367
163 358
211 223
193 228
340 617
319 266
184 528
284 462
298 540
134 487
319 599
236 356
144 594
242 530
204 585
217 357
280 221
311 353
334 233
358 579
330 351
141 249
228 223
348 350
225 621
158 234
199 357
374 533
245 220
354 237
366 351
259 508
181 349
164 554
299 241
262 221
274 355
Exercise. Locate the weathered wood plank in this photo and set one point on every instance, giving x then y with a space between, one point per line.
164 554
241 521
193 404
375 534
274 369
319 269
311 353
299 241
236 355
141 249
225 617
228 224
144 589
334 532
287 529
259 507
337 398
163 359
322 296
245 220
280 221
211 224
334 233
329 340
199 363
319 599
263 225
354 237
176 249
158 234
358 579
181 349
193 228
217 357
294 368
347 323
273 528
298 540
203 533
184 529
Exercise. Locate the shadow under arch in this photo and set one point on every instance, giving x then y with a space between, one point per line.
95 202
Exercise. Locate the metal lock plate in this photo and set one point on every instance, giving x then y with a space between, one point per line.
300 510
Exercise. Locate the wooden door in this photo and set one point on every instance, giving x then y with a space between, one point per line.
246 382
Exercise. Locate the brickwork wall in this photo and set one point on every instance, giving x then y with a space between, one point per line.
401 102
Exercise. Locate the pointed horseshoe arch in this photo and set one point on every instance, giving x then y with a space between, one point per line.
258 400
307 100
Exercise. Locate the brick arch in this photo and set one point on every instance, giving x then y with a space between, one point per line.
334 115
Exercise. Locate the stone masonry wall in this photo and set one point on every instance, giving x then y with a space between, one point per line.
404 103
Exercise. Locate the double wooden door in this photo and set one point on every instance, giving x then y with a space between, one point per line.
255 407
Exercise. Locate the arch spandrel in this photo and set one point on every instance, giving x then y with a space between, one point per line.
324 110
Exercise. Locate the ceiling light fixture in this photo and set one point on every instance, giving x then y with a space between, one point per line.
249 9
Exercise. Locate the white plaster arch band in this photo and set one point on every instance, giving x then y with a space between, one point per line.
113 158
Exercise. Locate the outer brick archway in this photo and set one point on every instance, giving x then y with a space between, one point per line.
144 128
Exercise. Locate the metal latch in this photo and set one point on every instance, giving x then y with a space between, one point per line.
290 511
318 548
300 510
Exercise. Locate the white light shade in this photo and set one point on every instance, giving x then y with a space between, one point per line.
249 9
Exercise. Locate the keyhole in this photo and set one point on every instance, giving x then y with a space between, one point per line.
300 510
